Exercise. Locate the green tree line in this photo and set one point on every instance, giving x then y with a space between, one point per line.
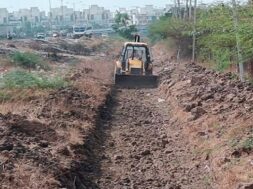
215 33
123 27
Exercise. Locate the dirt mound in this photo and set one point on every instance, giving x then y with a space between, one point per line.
48 139
25 153
53 146
84 47
71 104
215 93
216 111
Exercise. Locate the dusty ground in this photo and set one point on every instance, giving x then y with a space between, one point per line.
193 132
215 112
145 148
44 133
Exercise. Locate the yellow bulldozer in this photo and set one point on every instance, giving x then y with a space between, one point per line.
134 69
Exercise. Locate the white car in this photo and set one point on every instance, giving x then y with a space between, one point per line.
40 36
105 35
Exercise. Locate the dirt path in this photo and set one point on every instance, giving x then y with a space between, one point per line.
144 147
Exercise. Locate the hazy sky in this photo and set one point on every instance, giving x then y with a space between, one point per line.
81 4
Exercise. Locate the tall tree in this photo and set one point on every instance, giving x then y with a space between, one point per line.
186 10
190 10
238 45
179 9
194 31
122 26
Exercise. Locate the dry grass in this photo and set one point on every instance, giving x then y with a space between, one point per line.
17 100
26 176
4 63
69 132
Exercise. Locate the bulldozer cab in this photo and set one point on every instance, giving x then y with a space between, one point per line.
136 53
133 54
134 69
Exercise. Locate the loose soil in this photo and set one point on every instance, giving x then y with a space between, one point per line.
145 147
193 132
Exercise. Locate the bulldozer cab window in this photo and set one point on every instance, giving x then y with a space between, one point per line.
136 53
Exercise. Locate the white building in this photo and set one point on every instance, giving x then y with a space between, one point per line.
96 15
143 16
34 16
62 15
3 16
24 15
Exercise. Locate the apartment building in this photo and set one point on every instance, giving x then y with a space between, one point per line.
145 15
4 16
62 15
96 15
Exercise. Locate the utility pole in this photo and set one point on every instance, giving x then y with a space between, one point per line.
238 45
62 15
74 7
194 32
50 15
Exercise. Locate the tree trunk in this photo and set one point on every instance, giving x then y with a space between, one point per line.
194 32
179 9
190 10
186 11
238 45
178 52
175 9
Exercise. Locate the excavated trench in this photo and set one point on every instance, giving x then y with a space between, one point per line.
85 172
137 145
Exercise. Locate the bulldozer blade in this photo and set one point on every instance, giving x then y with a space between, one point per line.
136 81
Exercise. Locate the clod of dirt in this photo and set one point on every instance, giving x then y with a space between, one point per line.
197 112
246 186
118 157
145 152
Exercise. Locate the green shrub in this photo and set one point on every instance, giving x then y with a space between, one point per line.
215 37
28 60
248 144
23 79
4 96
121 26
179 32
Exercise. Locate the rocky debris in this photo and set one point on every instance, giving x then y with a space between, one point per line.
53 144
6 50
246 186
73 102
213 105
26 141
146 152
84 47
197 112
205 91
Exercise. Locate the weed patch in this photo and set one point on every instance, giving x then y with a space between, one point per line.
28 60
248 144
22 79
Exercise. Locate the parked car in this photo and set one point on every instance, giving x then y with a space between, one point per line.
40 36
104 35
56 34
